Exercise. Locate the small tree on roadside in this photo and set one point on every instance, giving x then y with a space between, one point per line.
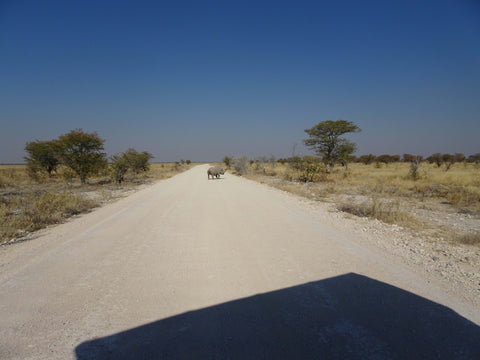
240 165
325 139
137 162
119 168
42 157
227 160
82 152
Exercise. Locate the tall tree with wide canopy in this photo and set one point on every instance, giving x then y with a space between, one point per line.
325 139
82 152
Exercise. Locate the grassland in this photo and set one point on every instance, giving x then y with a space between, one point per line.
439 203
27 205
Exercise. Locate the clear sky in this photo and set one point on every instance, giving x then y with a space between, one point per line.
200 80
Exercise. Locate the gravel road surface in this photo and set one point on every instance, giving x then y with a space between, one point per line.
191 268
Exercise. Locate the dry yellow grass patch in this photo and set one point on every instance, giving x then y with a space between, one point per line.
27 205
390 194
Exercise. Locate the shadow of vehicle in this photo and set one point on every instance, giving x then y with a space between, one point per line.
344 317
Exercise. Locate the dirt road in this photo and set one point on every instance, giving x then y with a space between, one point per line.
192 268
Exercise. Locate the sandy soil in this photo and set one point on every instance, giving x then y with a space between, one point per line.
194 268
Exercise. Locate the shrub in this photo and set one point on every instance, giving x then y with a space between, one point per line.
415 162
306 169
82 152
227 160
119 168
383 210
138 162
240 165
472 238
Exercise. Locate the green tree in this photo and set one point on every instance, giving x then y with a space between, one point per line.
119 167
82 153
475 158
366 159
227 160
385 158
325 139
42 156
459 157
448 160
396 158
435 159
136 161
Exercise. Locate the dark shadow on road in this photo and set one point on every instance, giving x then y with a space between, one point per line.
345 317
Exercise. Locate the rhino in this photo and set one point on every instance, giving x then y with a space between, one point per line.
215 172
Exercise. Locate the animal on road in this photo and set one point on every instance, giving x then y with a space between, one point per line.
215 172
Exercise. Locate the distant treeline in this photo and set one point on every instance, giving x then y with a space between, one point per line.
437 158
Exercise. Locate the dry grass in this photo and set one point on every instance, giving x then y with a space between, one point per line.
27 205
472 238
387 192
30 211
388 211
460 186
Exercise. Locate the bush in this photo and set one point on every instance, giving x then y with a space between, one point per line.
138 162
119 168
383 210
472 238
129 160
240 165
306 169
227 160
414 167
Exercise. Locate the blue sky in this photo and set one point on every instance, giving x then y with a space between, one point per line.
200 80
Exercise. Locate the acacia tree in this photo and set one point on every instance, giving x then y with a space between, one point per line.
385 158
42 156
475 158
367 159
137 161
82 152
435 158
325 139
119 168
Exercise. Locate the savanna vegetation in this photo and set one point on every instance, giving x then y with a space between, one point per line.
67 176
406 190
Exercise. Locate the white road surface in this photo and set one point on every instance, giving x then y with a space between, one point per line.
191 268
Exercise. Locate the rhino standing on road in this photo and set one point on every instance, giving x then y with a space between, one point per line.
215 172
